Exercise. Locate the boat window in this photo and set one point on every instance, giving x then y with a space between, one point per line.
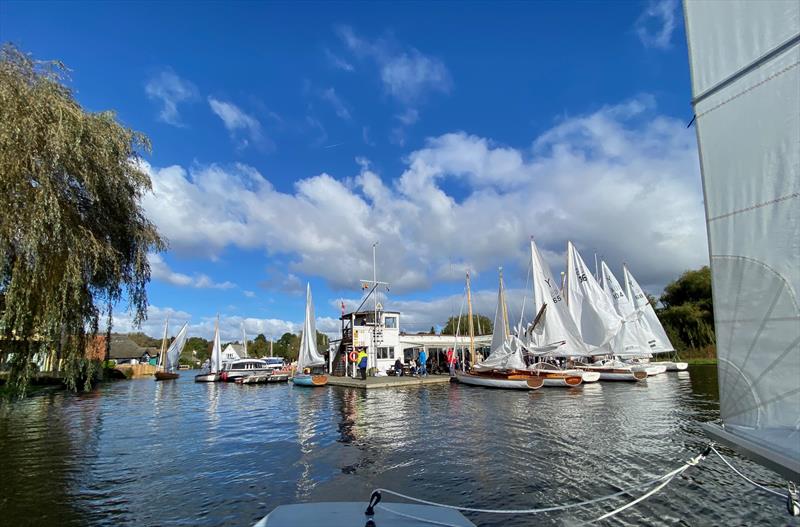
390 322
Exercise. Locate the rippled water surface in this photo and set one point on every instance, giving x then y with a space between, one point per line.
180 453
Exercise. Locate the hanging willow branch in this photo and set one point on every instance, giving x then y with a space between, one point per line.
73 236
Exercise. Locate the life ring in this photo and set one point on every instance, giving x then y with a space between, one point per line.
353 356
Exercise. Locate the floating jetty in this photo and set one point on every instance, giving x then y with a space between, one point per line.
373 383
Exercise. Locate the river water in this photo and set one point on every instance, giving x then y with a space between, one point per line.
179 453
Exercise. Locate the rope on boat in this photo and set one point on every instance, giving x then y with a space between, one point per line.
417 518
664 480
762 487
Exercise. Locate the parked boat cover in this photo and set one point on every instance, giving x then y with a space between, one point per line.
745 59
590 307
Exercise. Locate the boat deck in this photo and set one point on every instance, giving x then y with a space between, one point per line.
387 382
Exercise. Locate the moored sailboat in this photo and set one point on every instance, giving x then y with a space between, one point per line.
215 363
308 356
170 357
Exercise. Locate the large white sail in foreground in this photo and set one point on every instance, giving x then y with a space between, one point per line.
175 349
658 337
308 355
632 340
745 59
590 307
554 333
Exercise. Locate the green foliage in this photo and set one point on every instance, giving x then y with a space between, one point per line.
688 314
201 348
73 236
145 341
482 325
288 346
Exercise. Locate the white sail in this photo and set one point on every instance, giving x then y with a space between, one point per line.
216 351
746 97
244 342
590 307
175 349
506 350
632 340
660 341
308 355
555 333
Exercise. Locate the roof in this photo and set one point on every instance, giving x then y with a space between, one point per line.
123 347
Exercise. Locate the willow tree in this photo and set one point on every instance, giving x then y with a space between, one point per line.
73 236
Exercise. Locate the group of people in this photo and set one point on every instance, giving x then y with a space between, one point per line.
415 366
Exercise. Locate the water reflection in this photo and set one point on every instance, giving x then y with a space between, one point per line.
185 453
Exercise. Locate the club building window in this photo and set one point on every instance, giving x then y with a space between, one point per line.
385 353
390 322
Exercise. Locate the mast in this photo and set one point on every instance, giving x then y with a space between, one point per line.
471 327
162 357
505 307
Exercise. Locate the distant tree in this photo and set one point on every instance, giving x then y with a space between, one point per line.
200 346
688 312
258 347
287 346
74 238
432 331
145 341
481 324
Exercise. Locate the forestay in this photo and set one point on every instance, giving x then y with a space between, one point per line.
175 349
632 339
590 307
659 342
745 59
555 333
308 355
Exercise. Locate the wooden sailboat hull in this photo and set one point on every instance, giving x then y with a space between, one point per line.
561 380
617 374
305 379
206 377
512 382
165 375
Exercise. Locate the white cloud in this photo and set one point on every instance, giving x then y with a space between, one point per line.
365 136
249 294
623 181
170 90
408 117
337 62
241 126
657 23
159 270
406 73
336 102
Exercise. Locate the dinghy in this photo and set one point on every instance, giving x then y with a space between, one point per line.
611 370
510 380
309 357
553 376
215 364
170 357
672 366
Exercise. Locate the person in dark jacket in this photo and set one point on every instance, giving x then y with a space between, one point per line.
398 367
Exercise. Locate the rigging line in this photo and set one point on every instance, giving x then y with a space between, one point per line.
762 487
668 476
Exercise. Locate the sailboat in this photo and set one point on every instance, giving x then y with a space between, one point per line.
553 334
215 364
659 342
308 356
505 366
170 357
744 59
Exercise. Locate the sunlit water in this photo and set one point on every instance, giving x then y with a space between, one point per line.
180 453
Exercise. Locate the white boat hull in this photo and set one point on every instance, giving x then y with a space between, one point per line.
562 382
672 366
590 376
206 377
496 382
617 374
654 369
387 514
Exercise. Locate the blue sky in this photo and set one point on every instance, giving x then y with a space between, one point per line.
287 138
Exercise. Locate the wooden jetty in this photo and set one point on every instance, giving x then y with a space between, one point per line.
373 383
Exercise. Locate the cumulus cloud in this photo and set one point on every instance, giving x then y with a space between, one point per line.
331 97
406 73
230 327
657 23
170 90
242 127
622 181
161 271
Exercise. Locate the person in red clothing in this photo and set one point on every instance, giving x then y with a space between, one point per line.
451 361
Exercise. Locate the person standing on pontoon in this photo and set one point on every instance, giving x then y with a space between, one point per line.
451 361
423 367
